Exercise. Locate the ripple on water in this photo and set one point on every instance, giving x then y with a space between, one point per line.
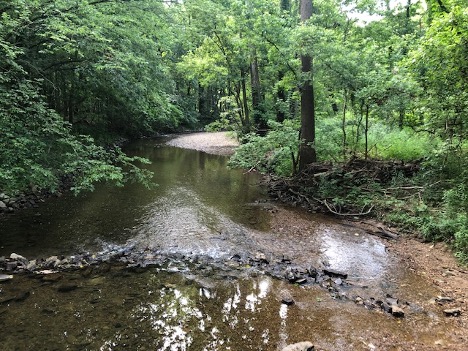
181 222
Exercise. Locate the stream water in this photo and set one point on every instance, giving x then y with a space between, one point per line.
202 209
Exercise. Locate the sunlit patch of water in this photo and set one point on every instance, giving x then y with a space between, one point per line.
362 256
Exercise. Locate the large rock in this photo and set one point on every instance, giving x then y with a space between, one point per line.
300 346
15 256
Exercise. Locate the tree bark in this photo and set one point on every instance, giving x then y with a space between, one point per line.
246 125
307 152
257 98
343 123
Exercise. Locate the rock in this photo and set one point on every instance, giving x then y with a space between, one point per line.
5 277
286 297
300 346
338 281
300 281
32 265
333 273
3 206
260 257
312 271
46 271
236 257
397 311
454 312
386 307
290 276
10 266
392 301
52 261
359 301
443 299
17 257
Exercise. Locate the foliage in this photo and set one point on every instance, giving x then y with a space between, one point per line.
400 144
440 64
274 153
37 148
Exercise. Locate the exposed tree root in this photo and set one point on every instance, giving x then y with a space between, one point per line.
326 188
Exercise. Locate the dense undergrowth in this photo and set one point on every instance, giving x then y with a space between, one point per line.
415 182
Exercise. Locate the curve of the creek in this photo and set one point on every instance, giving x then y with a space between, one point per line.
203 261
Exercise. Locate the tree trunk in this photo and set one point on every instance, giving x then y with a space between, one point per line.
281 93
257 98
307 153
366 130
246 125
343 124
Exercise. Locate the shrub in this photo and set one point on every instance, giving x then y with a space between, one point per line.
273 153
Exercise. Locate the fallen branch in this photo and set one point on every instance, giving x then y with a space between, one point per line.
347 214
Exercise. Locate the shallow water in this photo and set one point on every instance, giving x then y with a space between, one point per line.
195 191
201 208
121 309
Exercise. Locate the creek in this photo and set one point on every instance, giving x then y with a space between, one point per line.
221 283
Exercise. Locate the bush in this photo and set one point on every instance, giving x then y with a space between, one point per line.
273 153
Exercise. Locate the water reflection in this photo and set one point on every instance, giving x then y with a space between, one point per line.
154 310
360 255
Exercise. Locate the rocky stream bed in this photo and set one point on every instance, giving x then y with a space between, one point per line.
303 278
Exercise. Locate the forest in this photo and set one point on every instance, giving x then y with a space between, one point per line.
310 88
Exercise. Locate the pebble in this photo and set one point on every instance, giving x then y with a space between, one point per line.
300 346
286 297
455 312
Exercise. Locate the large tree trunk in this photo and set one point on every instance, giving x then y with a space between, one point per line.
307 153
